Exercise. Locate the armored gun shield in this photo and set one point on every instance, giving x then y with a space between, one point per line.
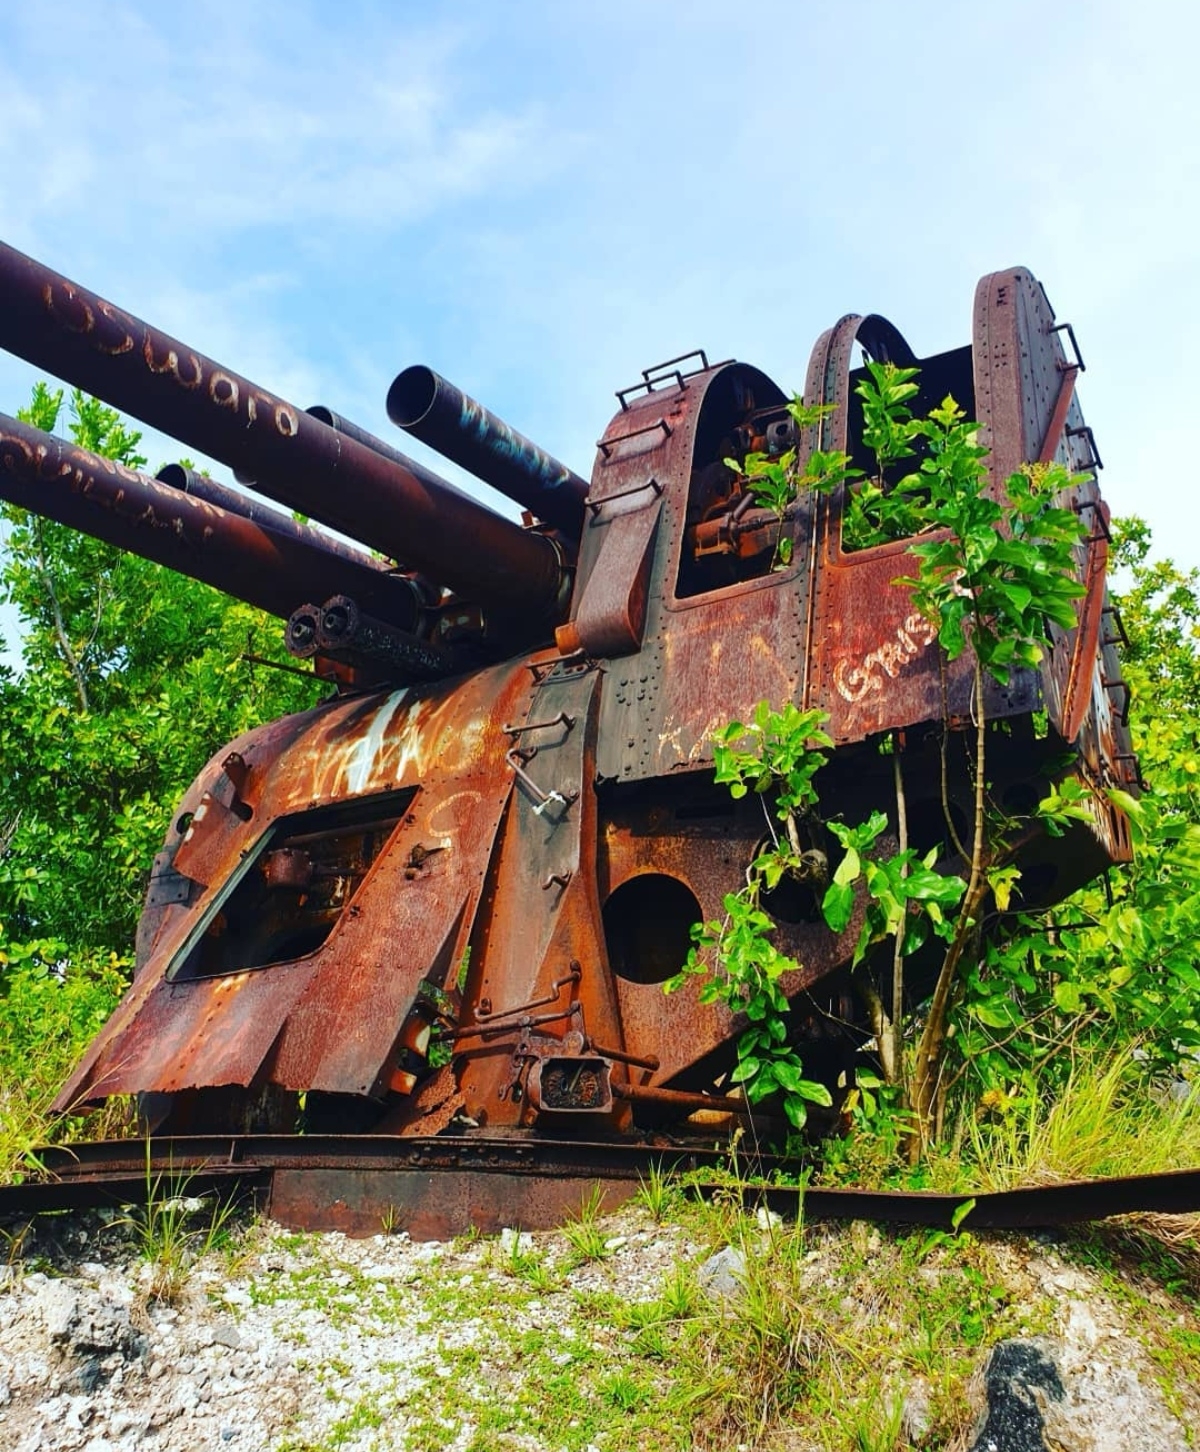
450 896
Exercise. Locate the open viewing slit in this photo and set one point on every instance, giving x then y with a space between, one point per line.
290 891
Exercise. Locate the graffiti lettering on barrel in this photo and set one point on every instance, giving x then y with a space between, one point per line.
854 682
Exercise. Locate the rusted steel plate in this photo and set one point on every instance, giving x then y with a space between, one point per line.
434 1205
130 1187
1176 1192
414 911
330 1019
713 646
664 867
872 660
439 1187
609 617
1028 410
208 1032
538 941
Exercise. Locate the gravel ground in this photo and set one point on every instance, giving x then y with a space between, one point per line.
286 1343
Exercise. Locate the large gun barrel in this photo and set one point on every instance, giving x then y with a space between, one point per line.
212 491
277 571
425 405
402 509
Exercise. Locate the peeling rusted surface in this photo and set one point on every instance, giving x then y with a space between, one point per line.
711 647
1030 411
331 1019
872 662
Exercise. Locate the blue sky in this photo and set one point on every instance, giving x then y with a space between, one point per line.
540 198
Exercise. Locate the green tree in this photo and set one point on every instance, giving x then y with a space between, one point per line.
132 677
1119 963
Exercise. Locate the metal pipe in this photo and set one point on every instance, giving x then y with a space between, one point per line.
345 633
302 636
433 410
342 425
200 486
678 1098
404 510
276 572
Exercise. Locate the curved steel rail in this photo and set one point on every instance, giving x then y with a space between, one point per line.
436 1188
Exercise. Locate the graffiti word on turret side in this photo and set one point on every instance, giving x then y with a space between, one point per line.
854 682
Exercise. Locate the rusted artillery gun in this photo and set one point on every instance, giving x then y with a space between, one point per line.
503 823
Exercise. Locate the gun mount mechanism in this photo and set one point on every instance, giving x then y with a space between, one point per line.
503 824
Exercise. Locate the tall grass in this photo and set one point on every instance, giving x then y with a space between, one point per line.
1108 1119
173 1230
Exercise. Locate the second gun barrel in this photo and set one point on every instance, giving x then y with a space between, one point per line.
212 491
432 409
276 572
404 511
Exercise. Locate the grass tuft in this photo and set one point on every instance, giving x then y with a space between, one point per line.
1107 1120
585 1234
173 1230
657 1194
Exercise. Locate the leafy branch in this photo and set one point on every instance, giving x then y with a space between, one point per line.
776 481
735 955
994 573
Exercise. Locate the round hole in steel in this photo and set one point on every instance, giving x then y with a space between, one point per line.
794 902
648 927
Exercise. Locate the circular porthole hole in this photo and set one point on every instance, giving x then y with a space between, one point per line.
796 898
1021 798
928 826
648 927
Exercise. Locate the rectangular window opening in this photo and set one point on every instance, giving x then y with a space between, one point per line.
290 890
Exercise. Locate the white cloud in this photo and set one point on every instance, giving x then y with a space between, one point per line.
281 122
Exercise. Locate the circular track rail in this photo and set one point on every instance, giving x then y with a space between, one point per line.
437 1188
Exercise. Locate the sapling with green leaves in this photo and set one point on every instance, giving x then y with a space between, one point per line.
994 574
776 481
778 753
